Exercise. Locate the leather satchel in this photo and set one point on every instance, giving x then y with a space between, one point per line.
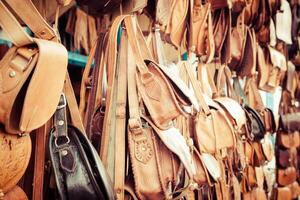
288 140
15 152
201 36
283 158
286 176
290 122
283 193
15 193
24 68
78 170
209 121
257 126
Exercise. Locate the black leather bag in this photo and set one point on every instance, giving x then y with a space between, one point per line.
79 173
257 125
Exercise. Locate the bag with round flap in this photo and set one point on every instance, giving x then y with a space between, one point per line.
15 153
258 129
32 76
78 170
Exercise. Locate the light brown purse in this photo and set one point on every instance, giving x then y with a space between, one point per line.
15 152
15 193
288 140
28 65
201 36
286 176
283 193
209 122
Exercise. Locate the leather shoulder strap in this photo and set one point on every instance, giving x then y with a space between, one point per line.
12 27
32 18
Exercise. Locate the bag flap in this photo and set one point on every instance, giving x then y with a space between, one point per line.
278 59
286 176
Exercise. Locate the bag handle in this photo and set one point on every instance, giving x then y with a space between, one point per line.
32 18
13 28
111 71
72 105
197 90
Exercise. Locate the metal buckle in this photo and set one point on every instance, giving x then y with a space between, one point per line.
63 103
63 144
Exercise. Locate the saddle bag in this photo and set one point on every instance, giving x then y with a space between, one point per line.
78 171
286 176
288 140
30 86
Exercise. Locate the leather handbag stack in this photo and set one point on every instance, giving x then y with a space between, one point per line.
25 105
287 141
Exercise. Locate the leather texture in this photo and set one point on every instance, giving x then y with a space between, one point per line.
26 68
16 193
15 153
286 176
290 122
257 126
78 170
288 140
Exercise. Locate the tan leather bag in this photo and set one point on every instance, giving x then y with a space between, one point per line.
15 193
176 26
288 140
283 193
209 122
286 176
24 69
154 87
15 153
201 36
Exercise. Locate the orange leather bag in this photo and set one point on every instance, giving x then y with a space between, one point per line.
201 31
15 193
286 176
283 193
209 122
288 140
15 153
30 86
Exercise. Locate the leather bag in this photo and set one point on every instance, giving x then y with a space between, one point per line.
201 36
209 122
16 193
283 193
283 158
286 176
257 126
288 140
78 170
290 122
15 152
24 68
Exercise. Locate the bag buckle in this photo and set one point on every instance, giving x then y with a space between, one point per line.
135 125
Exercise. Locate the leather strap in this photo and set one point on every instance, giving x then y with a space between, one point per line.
197 90
12 27
39 162
120 138
32 18
84 81
72 105
111 57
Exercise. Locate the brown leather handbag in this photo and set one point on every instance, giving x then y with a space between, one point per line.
15 152
25 68
290 122
286 176
15 193
201 27
283 158
283 193
288 140
208 138
174 32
